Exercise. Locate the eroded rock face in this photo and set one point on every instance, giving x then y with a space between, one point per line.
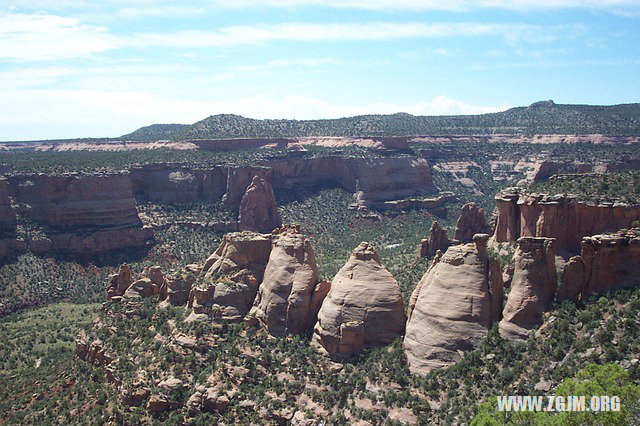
258 208
178 286
165 183
231 277
120 282
238 251
238 179
77 200
471 221
560 217
7 214
283 303
363 308
228 298
533 287
607 262
453 306
438 240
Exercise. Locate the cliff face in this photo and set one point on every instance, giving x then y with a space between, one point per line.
74 200
374 180
7 215
606 262
533 287
453 306
559 217
87 214
7 220
162 183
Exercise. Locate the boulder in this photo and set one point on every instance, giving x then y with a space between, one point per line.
144 287
283 303
135 397
363 308
214 403
120 282
471 221
533 287
258 208
177 286
453 306
158 404
438 240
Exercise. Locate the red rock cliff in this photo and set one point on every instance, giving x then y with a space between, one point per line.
560 217
607 262
75 200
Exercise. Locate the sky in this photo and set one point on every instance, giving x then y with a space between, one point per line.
86 68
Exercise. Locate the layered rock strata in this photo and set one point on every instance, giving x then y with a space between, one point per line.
284 300
607 262
363 308
453 306
533 287
560 217
258 208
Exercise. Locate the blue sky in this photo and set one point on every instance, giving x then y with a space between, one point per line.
76 68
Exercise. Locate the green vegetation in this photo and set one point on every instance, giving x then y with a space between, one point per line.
539 118
154 132
335 231
594 381
609 187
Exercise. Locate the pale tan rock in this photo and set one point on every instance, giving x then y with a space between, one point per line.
214 403
238 251
453 306
229 298
438 240
178 287
144 287
471 221
283 303
231 277
258 208
158 404
363 308
533 287
120 282
135 397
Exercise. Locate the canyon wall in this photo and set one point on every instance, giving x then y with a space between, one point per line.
7 220
606 262
374 180
73 200
82 214
166 183
560 217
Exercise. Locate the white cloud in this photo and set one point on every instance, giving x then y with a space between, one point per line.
371 31
49 37
47 114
